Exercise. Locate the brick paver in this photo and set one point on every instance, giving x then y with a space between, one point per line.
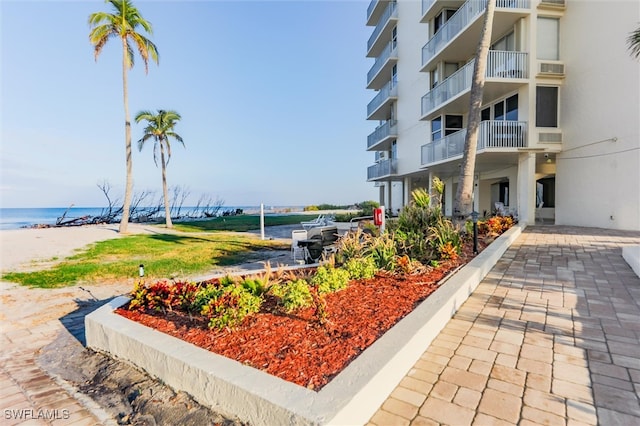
550 336
31 319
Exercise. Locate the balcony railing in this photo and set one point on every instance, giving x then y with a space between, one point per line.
426 4
372 5
390 11
491 135
500 64
383 168
388 90
386 129
460 20
386 53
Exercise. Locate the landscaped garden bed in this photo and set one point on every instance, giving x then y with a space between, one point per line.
306 326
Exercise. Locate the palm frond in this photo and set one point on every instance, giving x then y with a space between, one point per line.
634 42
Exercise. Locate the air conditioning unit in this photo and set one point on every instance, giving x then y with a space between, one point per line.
382 155
551 68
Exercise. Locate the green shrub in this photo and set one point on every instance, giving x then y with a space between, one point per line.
421 198
329 280
367 207
360 267
383 251
352 244
445 238
293 294
231 307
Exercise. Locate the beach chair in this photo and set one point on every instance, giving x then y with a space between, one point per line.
308 224
297 252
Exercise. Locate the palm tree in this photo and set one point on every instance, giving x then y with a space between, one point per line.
122 24
634 42
160 129
464 195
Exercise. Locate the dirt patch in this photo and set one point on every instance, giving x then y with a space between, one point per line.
129 395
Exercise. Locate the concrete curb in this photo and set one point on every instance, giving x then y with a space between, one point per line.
256 397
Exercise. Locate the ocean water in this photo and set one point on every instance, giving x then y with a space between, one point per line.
15 218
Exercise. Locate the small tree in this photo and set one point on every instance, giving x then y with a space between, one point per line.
160 129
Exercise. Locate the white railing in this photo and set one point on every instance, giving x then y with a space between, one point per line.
491 135
388 90
383 168
386 53
500 64
386 15
463 17
467 13
386 129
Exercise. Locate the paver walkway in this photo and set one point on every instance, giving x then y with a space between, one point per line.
550 336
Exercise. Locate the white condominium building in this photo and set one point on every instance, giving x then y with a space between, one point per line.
559 140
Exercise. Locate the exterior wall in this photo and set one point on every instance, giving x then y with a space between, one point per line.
597 165
412 84
598 172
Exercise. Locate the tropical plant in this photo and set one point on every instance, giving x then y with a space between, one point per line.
123 24
634 42
421 198
445 238
384 251
293 294
360 267
160 128
328 279
464 194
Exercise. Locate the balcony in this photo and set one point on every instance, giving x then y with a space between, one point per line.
376 75
375 9
381 138
467 21
502 67
492 135
426 5
382 31
384 168
380 106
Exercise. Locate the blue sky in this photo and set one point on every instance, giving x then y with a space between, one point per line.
272 97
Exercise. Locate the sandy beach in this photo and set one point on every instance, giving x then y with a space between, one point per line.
31 249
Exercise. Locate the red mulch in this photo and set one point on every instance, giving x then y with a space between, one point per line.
296 347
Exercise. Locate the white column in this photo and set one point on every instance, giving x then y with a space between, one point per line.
527 188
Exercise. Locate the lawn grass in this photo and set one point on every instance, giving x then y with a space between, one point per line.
239 223
163 256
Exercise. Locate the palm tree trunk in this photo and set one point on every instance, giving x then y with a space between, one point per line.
165 192
124 221
464 195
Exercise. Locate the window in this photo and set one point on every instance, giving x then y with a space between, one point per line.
546 106
506 43
548 39
452 124
506 109
485 114
436 129
441 18
434 78
394 75
394 149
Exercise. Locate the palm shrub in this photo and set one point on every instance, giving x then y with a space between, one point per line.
445 238
383 251
354 244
